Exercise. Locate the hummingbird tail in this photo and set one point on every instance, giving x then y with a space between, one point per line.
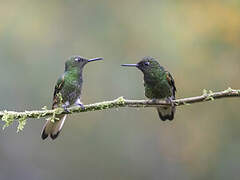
166 112
53 128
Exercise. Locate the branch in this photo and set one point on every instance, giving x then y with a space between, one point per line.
9 116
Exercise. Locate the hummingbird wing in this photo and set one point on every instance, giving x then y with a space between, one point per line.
57 89
168 112
171 83
53 128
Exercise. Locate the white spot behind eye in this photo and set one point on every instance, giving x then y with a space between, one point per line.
76 59
147 63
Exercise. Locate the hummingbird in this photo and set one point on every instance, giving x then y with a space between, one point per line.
67 92
159 84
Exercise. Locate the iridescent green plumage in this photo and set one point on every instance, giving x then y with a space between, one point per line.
159 84
69 85
66 93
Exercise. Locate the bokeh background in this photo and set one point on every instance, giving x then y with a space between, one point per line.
197 41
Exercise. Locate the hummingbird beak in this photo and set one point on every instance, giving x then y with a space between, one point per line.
130 65
95 59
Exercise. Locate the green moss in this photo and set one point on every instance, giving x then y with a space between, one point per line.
205 92
53 117
21 123
8 118
59 99
211 98
210 93
44 108
58 110
229 89
121 100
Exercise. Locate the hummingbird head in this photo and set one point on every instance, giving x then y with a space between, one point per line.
78 62
146 65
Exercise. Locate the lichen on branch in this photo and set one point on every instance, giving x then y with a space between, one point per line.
8 117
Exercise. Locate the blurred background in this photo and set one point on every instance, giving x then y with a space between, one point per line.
197 41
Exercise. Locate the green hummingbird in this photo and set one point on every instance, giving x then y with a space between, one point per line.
159 84
67 92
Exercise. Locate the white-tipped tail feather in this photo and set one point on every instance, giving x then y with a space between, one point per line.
166 112
53 128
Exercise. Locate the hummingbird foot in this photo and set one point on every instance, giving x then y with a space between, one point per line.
169 100
65 108
81 105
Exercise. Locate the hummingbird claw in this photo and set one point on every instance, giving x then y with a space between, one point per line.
169 100
81 105
65 109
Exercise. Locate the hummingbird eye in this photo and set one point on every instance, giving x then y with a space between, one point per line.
78 59
146 63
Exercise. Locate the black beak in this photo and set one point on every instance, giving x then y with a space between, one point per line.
95 59
130 65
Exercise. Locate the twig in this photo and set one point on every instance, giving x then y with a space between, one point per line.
9 116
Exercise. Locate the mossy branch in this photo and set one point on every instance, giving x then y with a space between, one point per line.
9 116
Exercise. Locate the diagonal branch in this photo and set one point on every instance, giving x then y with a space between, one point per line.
9 116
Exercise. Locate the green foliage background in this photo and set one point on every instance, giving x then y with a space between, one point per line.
197 41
